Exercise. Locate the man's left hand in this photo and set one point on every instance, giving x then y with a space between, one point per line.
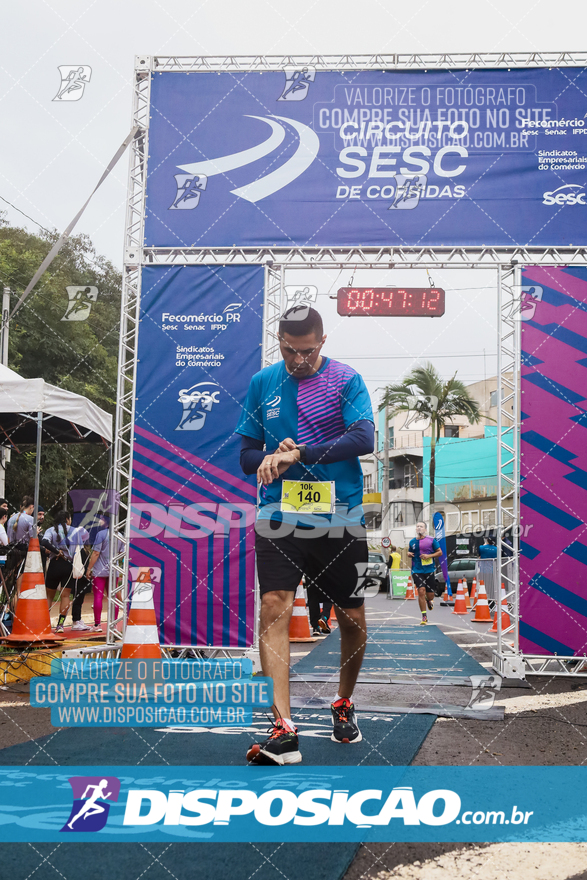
273 466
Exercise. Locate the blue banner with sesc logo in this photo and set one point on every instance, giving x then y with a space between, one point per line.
374 158
193 510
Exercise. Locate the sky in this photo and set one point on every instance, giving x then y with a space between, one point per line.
53 153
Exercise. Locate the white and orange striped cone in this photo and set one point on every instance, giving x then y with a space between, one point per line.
466 592
32 622
141 636
410 594
445 594
505 618
474 593
482 613
299 625
460 606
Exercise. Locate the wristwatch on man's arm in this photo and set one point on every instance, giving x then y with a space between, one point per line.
302 450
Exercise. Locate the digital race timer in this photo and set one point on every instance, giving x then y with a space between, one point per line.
393 302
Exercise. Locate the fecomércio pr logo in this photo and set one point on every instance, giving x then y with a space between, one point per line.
90 802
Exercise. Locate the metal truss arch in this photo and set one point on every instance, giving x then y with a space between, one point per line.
507 262
381 62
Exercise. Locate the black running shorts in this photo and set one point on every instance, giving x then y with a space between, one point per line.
336 566
425 579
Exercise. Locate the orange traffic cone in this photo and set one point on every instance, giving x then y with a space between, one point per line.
410 589
505 618
460 606
332 619
299 625
445 594
141 636
482 614
474 592
466 592
32 622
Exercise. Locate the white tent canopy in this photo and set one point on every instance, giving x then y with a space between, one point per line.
67 417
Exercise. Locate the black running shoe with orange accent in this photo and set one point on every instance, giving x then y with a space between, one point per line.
281 747
323 624
345 728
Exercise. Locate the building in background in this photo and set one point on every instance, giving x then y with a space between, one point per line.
466 475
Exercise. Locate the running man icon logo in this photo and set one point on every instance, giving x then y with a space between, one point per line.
524 303
297 83
74 78
90 807
138 575
80 301
189 189
297 293
409 190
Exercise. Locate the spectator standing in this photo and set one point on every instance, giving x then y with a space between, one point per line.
395 559
21 524
20 529
60 571
3 536
488 550
99 568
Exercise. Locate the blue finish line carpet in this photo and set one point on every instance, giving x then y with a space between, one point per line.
399 650
394 739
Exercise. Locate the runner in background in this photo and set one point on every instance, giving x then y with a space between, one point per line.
304 423
422 551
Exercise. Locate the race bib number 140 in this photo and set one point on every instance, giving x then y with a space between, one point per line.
307 497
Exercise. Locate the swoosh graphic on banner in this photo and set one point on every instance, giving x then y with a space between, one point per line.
236 160
301 160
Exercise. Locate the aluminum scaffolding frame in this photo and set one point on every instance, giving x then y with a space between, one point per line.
507 659
344 62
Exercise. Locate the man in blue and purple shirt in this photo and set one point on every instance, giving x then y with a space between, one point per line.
304 424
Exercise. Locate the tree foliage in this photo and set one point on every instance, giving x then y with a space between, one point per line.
424 392
79 356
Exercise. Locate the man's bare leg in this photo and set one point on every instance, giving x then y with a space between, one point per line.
353 640
276 611
422 600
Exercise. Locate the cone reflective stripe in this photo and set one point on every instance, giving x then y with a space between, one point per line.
474 592
466 593
410 590
482 613
141 636
32 622
505 618
299 625
460 606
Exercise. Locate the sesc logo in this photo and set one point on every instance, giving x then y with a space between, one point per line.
559 197
275 179
197 402
273 409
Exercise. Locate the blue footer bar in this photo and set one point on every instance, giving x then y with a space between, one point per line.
266 803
